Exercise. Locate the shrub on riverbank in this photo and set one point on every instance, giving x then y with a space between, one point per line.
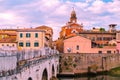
115 72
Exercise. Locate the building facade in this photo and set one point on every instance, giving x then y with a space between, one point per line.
48 34
71 27
98 36
80 44
30 38
118 42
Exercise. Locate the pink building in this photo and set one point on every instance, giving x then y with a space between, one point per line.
118 42
80 44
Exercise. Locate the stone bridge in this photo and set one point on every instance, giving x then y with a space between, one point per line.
41 68
76 63
29 65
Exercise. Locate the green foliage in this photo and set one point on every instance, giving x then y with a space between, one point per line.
65 63
94 67
100 46
74 65
102 29
115 71
60 69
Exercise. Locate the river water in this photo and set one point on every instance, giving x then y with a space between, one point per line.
100 77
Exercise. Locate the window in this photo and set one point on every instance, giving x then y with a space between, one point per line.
93 38
36 35
27 44
73 31
28 35
77 47
21 44
100 52
2 44
36 44
13 45
109 52
21 35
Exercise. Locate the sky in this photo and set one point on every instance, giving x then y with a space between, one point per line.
56 13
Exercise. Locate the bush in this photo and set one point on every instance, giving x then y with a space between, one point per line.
74 65
65 63
100 46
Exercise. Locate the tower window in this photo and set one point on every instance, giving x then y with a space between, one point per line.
74 31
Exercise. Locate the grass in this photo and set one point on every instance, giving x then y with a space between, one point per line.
115 72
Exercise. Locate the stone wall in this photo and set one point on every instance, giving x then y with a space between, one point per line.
82 63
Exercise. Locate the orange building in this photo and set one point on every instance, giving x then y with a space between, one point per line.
71 27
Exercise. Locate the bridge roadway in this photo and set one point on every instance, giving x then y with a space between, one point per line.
39 68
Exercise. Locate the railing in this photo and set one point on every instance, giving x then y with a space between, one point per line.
27 65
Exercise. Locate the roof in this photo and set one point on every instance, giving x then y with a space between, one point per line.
8 40
93 32
74 35
43 27
10 34
30 30
8 29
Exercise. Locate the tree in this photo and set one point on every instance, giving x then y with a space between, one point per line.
102 29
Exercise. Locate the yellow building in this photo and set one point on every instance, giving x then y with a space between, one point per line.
30 38
48 34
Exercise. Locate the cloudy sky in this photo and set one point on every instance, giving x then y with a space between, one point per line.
56 13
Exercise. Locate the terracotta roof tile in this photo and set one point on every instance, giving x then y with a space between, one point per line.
8 40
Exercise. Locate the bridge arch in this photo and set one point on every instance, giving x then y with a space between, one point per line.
30 78
45 74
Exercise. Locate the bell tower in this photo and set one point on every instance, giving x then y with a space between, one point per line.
73 18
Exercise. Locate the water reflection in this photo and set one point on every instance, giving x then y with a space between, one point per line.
103 77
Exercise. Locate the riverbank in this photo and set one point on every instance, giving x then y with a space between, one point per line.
115 72
70 74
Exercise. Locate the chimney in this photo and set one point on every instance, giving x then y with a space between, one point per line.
112 27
